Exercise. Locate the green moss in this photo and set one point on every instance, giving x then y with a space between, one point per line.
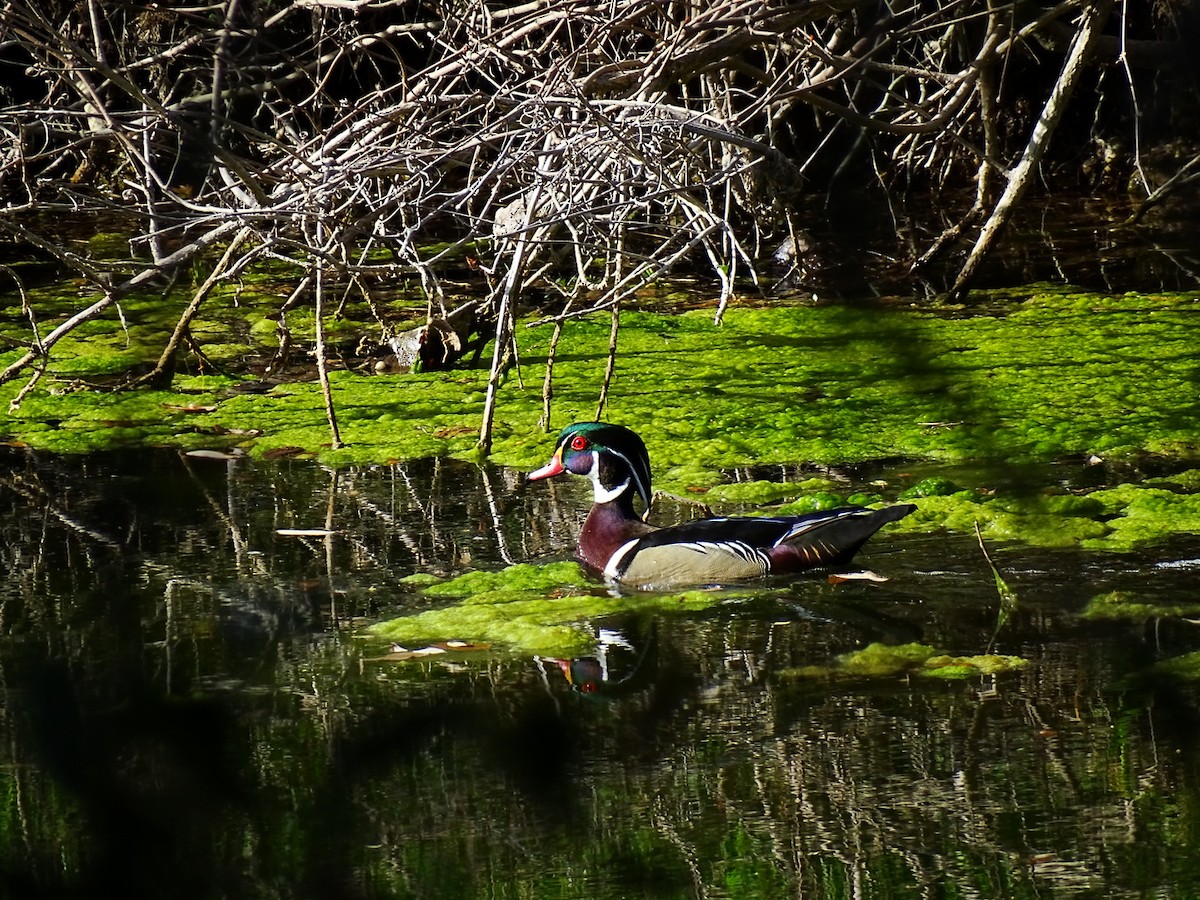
520 577
1188 480
1118 519
930 487
887 661
1059 373
534 626
531 609
964 511
883 659
1124 605
812 503
759 492
1186 666
1144 515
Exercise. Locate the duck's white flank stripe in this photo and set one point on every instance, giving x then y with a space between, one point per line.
614 561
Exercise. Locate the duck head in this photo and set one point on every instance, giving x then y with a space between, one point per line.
612 456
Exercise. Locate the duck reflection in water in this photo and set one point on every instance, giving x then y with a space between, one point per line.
618 668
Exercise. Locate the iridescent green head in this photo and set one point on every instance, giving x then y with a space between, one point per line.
612 456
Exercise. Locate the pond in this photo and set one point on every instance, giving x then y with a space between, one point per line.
194 706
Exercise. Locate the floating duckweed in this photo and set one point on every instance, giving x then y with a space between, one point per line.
1188 480
970 666
951 671
529 609
519 577
861 499
808 384
1186 666
1118 519
883 661
1127 605
524 626
930 487
760 492
812 503
420 579
808 380
1144 515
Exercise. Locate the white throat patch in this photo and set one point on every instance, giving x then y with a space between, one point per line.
600 493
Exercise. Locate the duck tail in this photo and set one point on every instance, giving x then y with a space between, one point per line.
833 539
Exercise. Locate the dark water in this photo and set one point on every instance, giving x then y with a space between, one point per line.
188 712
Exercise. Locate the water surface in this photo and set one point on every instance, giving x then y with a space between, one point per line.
190 710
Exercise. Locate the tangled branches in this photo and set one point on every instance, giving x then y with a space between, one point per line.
581 147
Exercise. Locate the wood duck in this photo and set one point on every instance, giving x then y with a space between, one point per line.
629 552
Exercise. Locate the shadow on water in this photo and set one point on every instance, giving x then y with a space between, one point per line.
189 713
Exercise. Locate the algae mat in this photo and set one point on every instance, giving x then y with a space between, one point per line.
1054 374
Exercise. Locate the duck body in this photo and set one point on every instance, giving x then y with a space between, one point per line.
629 552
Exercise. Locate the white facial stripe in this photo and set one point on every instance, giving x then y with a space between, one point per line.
642 489
599 492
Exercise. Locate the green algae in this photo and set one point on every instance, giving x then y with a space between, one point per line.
1123 518
1058 373
531 609
1188 480
762 492
517 623
481 584
1128 606
891 661
817 502
1026 519
934 486
1186 666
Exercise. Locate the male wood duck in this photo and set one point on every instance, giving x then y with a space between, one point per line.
631 553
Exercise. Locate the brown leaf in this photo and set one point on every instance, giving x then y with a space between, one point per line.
864 575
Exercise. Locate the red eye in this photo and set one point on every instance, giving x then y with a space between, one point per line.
579 442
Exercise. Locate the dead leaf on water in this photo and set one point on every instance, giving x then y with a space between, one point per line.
864 575
214 454
463 645
400 654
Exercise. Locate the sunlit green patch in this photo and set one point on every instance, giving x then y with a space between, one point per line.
1188 480
1128 606
104 420
761 492
891 661
525 608
109 245
814 502
1144 515
1185 666
1122 518
535 625
532 609
520 577
1057 373
934 486
420 579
